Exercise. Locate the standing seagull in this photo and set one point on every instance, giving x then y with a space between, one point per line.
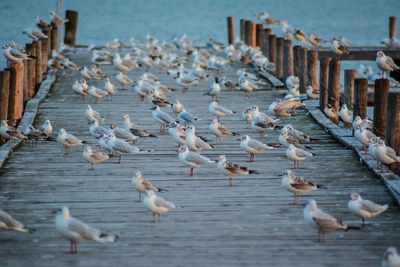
338 48
92 114
10 133
195 143
322 221
156 204
297 185
385 63
93 156
218 110
214 89
297 155
68 140
120 147
142 185
252 146
391 258
364 208
231 169
192 159
7 222
161 117
136 129
77 231
219 131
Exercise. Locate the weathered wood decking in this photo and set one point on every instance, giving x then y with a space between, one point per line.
248 224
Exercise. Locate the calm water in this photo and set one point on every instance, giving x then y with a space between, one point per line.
363 22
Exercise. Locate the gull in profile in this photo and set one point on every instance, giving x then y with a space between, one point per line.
252 146
93 156
77 231
231 169
219 131
123 79
364 136
109 88
177 106
194 142
385 63
35 34
296 133
192 159
11 133
322 221
15 55
391 258
97 93
136 129
332 113
122 133
312 93
46 128
214 89
143 185
261 126
286 139
93 115
338 48
385 154
124 65
186 117
120 147
68 140
177 133
364 208
297 185
161 117
57 19
7 222
346 115
297 155
156 204
35 134
218 110
81 88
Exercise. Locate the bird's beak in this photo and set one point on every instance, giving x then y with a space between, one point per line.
238 139
280 175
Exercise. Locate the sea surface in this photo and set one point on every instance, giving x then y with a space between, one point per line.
364 22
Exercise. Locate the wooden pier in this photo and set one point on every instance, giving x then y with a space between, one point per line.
250 223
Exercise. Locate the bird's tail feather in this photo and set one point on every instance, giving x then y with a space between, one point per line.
107 238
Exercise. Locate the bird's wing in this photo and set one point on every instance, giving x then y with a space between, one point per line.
370 206
124 147
391 63
234 167
9 221
160 202
148 185
391 153
186 116
327 222
70 139
196 158
82 229
294 141
222 109
223 130
255 144
98 155
302 153
164 117
302 184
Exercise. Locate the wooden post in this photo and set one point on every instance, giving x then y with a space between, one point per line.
393 126
272 48
39 71
360 97
279 58
334 85
231 30
380 106
296 60
71 26
46 51
16 93
31 48
4 91
287 59
323 82
252 36
265 45
303 70
54 32
243 30
259 36
349 76
247 32
25 91
313 69
392 27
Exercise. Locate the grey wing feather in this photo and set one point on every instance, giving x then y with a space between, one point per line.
124 147
391 63
187 117
256 145
222 109
196 158
327 222
391 153
371 206
9 221
160 202
164 117
82 229
302 153
17 53
70 139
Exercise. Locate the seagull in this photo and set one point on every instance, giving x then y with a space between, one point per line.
247 86
364 208
109 88
95 130
7 222
261 126
177 106
312 92
53 64
218 110
186 117
192 159
391 258
43 25
297 185
322 221
186 80
385 154
97 93
331 113
35 135
177 133
122 133
385 63
120 147
35 34
156 204
123 79
346 115
232 169
15 55
296 133
124 65
252 146
93 115
46 128
81 88
286 139
77 231
315 40
338 48
57 19
161 117
195 143
214 89
364 137
219 131
93 156
68 140
136 129
142 185
297 154
11 133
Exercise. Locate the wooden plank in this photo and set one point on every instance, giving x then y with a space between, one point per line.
272 79
361 53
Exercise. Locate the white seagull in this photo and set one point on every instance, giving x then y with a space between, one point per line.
231 169
68 140
385 63
297 185
252 146
142 185
156 204
7 222
297 155
364 208
93 156
391 258
192 159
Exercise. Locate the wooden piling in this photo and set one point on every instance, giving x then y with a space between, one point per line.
231 30
54 32
247 32
303 70
252 37
259 35
243 30
360 97
287 59
380 106
4 92
31 48
272 48
393 126
16 97
323 82
392 27
71 27
312 58
39 66
349 76
46 50
279 58
296 60
25 91
265 49
334 85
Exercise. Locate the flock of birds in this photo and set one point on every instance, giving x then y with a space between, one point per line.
173 58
